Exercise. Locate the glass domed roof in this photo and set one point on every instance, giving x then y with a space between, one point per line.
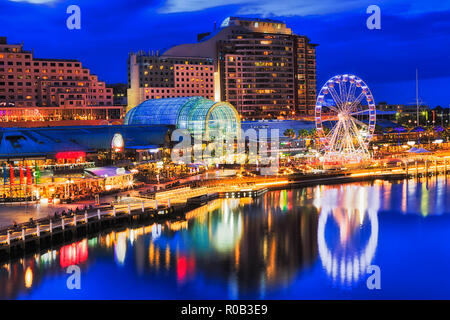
196 114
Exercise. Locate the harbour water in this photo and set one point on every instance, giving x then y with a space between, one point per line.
310 243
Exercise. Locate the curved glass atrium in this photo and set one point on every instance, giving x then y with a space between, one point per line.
196 114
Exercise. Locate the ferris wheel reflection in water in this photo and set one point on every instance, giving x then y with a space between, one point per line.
347 232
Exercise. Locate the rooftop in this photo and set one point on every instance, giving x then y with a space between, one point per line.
197 114
47 141
226 22
56 60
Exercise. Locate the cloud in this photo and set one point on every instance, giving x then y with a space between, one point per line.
265 7
289 8
36 1
299 7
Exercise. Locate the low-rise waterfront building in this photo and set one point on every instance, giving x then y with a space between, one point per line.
57 91
64 162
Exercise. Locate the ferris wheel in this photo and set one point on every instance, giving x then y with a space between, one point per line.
345 117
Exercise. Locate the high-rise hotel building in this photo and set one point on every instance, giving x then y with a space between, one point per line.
261 67
151 76
35 90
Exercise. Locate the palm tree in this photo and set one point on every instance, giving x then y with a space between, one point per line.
289 133
313 133
302 133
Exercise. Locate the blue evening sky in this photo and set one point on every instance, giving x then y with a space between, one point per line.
414 34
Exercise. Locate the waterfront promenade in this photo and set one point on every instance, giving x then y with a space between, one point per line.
160 204
10 213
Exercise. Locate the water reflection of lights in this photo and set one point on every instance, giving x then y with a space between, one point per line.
283 200
28 278
120 248
424 201
185 268
228 231
167 260
201 212
345 262
74 253
47 258
177 225
132 236
156 231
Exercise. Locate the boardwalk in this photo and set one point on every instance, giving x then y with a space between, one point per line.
162 203
127 208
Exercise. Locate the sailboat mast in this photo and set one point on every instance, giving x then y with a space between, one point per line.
417 95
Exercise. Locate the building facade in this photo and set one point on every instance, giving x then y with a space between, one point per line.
34 89
263 68
151 76
119 93
58 164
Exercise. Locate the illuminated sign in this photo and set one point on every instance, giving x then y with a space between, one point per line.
70 155
117 141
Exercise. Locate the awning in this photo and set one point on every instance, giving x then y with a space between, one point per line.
420 150
144 147
106 172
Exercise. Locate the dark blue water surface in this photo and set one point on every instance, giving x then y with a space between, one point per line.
311 243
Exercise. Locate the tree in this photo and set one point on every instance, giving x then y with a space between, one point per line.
313 133
302 133
289 133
